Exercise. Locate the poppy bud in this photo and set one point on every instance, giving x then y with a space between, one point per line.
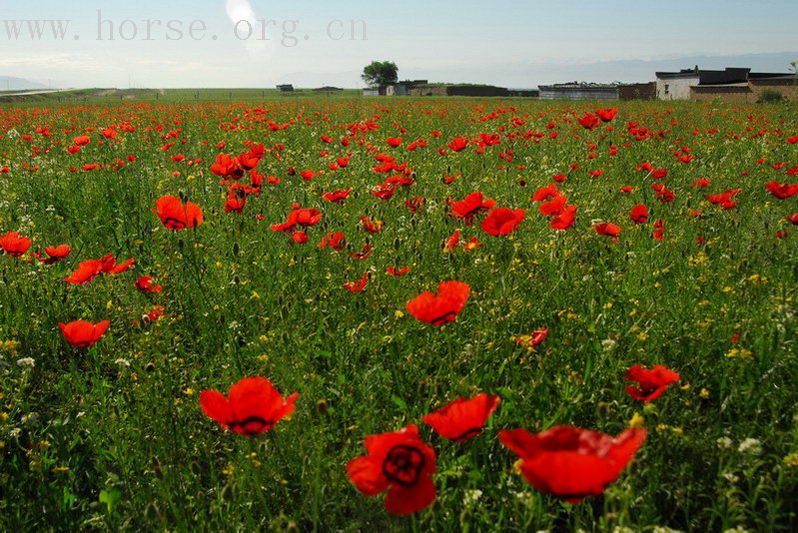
156 468
321 406
228 493
195 468
182 196
604 408
181 243
236 248
149 368
236 280
151 512
240 341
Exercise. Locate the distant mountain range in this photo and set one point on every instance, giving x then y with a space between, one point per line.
10 83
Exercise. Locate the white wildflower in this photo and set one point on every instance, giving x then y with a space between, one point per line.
749 445
26 362
724 442
608 345
471 497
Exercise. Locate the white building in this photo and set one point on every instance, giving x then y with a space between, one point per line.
399 89
677 85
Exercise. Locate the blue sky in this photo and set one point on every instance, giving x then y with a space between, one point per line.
507 42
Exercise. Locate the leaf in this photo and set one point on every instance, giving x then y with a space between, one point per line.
398 402
110 498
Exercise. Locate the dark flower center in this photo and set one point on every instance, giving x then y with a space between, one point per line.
444 319
253 425
403 465
174 223
473 432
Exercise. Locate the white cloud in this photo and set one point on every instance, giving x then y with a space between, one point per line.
238 10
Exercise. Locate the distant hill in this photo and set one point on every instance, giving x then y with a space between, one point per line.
10 83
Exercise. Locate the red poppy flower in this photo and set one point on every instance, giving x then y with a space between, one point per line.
463 419
110 266
458 144
14 244
178 216
782 191
337 197
608 229
503 221
357 286
299 237
397 271
336 241
639 214
157 312
546 193
364 252
469 206
793 218
235 203
299 216
589 121
401 463
554 206
144 284
86 272
82 140
56 253
724 199
442 308
572 463
534 339
415 204
370 225
83 334
564 219
659 230
452 241
659 173
651 383
606 115
252 407
472 244
793 140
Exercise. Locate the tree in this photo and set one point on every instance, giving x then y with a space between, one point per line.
380 73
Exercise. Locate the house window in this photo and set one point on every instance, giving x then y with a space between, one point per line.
667 87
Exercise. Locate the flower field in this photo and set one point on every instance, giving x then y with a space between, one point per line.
425 314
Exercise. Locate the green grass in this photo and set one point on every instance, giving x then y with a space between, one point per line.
113 437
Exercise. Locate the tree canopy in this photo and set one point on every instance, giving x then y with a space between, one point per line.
380 73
